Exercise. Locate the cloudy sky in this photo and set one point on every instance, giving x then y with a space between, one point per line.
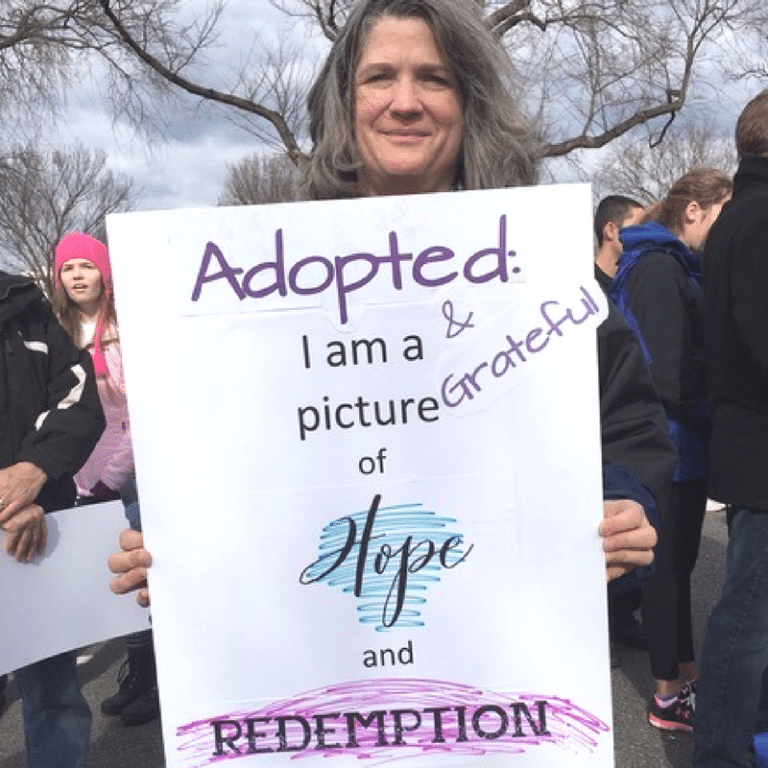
188 167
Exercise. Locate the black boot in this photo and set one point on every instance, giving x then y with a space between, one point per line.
143 709
128 689
136 679
145 706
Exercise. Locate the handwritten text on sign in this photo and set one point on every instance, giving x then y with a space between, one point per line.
371 391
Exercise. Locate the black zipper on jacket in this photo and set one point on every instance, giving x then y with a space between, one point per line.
7 352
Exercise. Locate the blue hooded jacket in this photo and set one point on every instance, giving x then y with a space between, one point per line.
657 288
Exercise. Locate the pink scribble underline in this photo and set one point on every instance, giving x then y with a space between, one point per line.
386 720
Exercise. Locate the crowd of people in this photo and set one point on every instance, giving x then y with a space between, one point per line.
657 287
418 97
689 284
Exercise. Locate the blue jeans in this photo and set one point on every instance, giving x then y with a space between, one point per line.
57 719
735 652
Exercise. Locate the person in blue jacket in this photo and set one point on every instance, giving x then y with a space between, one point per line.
657 287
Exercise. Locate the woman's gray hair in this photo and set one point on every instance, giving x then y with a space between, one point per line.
499 147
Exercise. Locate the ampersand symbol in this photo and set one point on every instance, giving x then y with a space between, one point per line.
455 327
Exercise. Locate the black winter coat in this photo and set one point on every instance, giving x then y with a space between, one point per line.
735 275
50 413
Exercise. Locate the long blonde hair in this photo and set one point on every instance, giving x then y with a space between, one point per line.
68 314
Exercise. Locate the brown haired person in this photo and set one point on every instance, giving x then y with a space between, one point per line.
735 651
416 96
657 287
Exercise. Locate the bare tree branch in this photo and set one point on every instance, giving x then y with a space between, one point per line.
258 179
45 195
636 167
590 71
173 77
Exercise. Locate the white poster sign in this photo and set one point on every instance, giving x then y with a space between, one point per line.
367 438
61 600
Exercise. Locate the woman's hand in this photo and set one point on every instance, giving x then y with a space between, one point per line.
27 533
131 565
628 537
19 486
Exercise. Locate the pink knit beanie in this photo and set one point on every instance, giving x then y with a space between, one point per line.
77 245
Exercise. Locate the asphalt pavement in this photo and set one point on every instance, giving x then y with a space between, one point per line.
637 744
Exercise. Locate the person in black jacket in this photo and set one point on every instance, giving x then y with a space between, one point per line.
735 278
51 419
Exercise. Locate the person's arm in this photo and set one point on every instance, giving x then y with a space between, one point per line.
20 485
69 427
638 458
20 518
120 467
629 526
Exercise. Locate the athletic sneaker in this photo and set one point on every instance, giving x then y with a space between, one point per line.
678 714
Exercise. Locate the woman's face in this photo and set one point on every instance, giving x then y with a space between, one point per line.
82 282
408 111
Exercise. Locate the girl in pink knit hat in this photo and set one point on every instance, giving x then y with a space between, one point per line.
85 305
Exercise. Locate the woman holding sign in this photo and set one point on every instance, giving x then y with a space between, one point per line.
415 97
85 305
